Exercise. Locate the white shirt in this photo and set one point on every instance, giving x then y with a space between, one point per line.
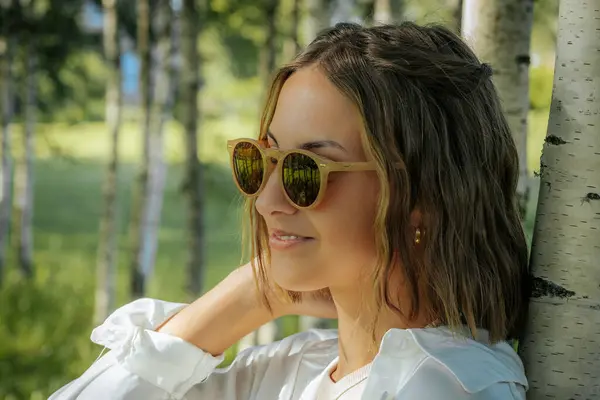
350 387
428 364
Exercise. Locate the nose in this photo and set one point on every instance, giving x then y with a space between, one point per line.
271 200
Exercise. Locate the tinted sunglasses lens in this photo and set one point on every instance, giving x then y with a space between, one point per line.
301 179
248 167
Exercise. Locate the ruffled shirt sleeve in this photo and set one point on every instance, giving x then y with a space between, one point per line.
150 365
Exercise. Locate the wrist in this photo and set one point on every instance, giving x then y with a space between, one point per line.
260 299
222 316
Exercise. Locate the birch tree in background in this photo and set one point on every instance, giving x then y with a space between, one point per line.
382 12
317 19
193 185
24 168
6 110
141 187
107 245
500 33
388 11
160 114
560 347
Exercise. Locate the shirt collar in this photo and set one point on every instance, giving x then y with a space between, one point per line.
475 363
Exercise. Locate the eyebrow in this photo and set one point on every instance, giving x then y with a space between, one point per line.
316 144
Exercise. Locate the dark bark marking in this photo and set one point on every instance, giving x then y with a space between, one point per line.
523 59
555 140
589 197
544 288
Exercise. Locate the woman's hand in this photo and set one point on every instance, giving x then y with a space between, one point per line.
207 322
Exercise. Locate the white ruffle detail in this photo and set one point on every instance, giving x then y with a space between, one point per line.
166 361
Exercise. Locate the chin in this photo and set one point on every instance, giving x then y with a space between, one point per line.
294 277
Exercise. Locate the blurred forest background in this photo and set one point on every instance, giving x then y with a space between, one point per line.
87 222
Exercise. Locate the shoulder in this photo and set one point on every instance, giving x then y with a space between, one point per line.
434 381
451 365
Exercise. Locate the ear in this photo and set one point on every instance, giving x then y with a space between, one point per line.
416 218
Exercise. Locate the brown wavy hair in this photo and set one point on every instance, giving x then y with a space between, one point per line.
429 104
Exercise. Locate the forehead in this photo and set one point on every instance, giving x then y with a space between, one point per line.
311 108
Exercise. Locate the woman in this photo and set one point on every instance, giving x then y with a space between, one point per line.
381 192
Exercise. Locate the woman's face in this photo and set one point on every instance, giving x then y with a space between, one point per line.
336 240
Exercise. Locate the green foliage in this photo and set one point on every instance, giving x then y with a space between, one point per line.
43 336
540 87
545 23
53 32
84 80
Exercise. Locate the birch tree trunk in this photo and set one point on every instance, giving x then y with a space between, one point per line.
560 347
193 185
500 33
382 13
269 51
161 109
141 190
107 246
24 169
7 163
317 19
388 11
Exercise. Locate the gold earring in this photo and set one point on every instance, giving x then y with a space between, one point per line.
418 236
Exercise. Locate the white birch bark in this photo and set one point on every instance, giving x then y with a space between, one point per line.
382 13
560 348
160 115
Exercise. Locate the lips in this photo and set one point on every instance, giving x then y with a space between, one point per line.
282 240
285 235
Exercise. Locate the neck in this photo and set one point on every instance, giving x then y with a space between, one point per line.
355 338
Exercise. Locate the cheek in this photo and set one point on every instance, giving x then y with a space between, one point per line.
343 224
347 224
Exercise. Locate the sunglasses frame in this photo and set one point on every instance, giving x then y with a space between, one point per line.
325 167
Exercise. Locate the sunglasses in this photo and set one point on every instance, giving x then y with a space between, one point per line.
303 174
